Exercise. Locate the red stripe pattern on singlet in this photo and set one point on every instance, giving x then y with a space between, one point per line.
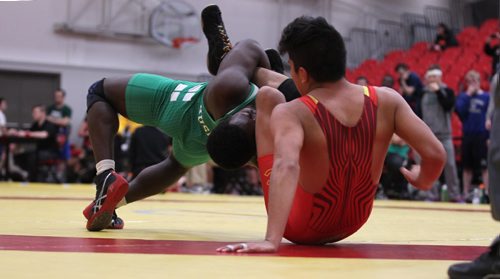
345 202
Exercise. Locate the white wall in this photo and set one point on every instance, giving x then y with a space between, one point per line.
28 42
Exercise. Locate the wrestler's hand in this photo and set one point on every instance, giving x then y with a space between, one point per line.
412 175
252 247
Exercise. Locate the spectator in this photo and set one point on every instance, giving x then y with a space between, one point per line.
438 101
59 114
471 107
491 106
388 81
3 128
444 38
410 87
47 147
362 80
493 50
148 146
3 119
393 182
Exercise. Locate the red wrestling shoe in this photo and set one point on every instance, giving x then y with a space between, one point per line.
111 188
117 223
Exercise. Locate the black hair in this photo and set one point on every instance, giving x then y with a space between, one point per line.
401 66
316 46
2 99
445 27
388 81
61 90
230 146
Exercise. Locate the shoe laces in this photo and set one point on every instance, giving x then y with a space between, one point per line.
227 44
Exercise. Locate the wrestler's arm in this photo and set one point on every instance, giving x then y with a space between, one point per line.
418 135
231 85
288 134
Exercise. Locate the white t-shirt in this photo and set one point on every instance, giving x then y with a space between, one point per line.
3 120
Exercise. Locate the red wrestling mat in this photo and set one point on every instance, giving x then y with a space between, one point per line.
137 246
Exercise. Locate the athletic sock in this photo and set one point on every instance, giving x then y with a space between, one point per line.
104 165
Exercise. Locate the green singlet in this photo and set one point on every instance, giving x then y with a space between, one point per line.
176 107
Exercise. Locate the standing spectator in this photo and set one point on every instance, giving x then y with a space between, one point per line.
471 107
493 50
3 119
59 114
410 87
438 101
444 38
3 128
148 146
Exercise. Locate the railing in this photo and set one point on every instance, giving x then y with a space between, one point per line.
392 36
437 15
362 44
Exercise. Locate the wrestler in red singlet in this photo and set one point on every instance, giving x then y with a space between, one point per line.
346 199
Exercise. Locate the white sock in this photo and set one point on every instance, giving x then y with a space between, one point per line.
122 203
103 165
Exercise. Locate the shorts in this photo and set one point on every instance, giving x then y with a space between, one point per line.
145 95
474 151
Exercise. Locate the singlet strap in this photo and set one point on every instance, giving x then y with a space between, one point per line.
372 93
310 101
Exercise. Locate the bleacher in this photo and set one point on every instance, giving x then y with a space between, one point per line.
454 61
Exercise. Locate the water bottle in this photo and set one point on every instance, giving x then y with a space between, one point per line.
482 193
445 196
476 196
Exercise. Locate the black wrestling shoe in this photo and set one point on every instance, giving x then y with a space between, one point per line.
275 61
218 41
485 266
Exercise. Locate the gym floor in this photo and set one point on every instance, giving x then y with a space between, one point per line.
43 235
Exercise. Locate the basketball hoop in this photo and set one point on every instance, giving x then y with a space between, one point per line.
175 23
182 42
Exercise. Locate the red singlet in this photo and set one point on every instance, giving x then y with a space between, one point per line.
345 202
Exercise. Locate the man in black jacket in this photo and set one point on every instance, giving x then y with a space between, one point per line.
437 104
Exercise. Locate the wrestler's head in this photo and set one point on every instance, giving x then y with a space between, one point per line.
316 50
231 144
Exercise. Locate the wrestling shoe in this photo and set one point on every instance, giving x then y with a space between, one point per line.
117 223
486 265
218 41
275 61
111 188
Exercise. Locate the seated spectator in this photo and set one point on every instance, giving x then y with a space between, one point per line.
393 182
444 38
388 81
410 87
361 80
492 48
471 106
47 148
